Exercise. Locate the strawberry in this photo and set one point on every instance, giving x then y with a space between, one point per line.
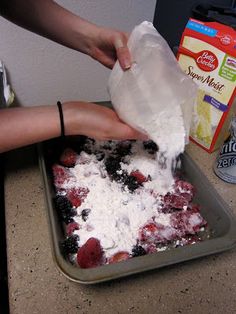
71 227
148 232
151 248
61 175
157 233
139 176
195 208
77 195
119 257
187 222
90 254
185 189
68 158
175 201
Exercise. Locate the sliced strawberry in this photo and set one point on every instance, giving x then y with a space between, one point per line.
77 195
157 233
148 232
185 189
139 176
187 222
195 208
90 254
119 257
71 227
175 201
68 157
61 175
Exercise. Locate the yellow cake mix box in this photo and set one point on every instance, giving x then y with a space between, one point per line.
207 53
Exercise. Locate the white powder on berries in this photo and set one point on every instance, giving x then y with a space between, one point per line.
116 215
167 130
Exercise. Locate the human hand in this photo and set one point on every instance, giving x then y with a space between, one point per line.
97 122
108 45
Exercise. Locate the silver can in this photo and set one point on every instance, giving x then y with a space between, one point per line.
225 164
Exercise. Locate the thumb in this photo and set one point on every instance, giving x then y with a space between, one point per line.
123 53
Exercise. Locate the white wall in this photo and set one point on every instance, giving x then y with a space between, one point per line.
41 71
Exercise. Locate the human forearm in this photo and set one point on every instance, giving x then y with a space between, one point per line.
24 126
47 18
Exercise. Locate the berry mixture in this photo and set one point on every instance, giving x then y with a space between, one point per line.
107 197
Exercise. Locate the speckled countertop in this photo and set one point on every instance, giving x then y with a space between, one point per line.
206 285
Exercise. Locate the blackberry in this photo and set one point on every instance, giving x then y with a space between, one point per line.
87 149
90 141
99 155
112 164
131 182
70 245
123 148
107 145
88 146
150 147
138 250
65 209
85 212
113 167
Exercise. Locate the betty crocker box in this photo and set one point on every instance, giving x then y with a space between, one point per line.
207 53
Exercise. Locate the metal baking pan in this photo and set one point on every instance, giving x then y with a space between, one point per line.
221 222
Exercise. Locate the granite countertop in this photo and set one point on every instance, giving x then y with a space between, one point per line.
206 285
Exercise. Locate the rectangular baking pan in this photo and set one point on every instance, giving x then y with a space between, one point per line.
221 222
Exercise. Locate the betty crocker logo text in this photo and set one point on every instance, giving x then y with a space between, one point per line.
207 60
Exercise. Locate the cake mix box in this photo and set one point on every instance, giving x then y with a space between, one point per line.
207 53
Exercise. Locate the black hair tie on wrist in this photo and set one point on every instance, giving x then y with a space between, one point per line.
59 105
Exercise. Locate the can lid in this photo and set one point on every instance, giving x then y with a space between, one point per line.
233 128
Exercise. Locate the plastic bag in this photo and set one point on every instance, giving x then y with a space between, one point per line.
154 89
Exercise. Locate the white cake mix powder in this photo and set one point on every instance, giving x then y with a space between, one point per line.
167 131
116 215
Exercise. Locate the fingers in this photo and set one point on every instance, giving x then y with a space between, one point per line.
136 135
116 129
97 122
123 53
122 131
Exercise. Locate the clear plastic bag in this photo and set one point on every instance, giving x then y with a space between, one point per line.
153 86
